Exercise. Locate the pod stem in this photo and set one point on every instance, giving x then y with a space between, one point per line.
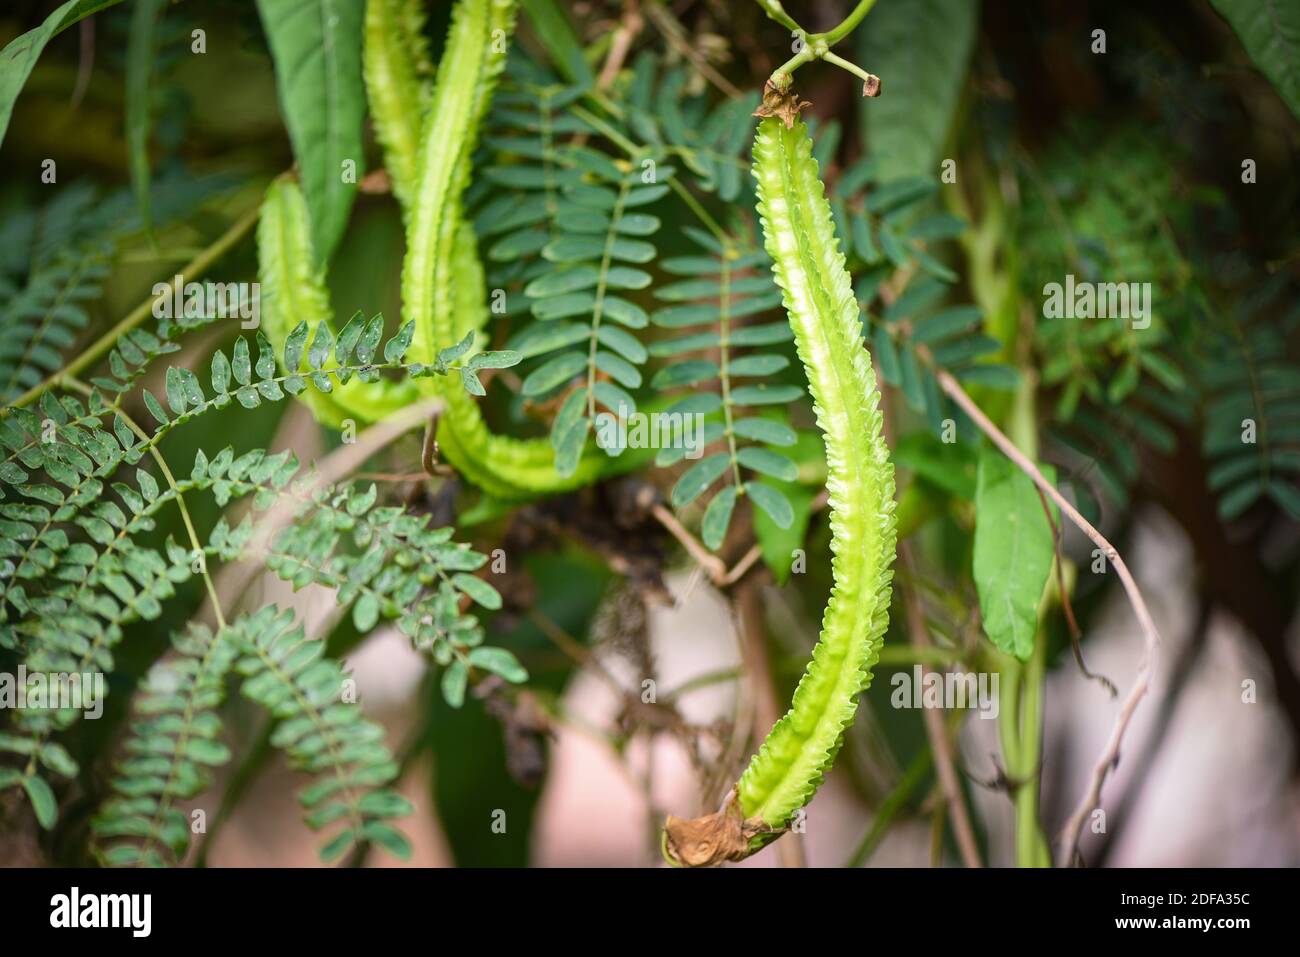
817 46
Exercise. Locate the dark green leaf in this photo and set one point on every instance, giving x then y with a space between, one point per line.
1013 553
317 52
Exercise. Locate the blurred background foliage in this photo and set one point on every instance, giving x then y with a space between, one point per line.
1169 158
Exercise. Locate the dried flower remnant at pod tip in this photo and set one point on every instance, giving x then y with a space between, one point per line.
782 103
714 839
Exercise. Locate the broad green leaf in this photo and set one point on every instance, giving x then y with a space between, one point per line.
316 46
920 49
559 39
1013 552
21 54
1270 32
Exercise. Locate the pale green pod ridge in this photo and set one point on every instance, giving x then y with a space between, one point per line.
471 61
809 267
443 288
397 68
293 290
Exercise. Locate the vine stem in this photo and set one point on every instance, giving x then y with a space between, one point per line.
1069 836
816 46
849 23
777 12
195 267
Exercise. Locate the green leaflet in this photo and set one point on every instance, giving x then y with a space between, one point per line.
317 52
288 674
1013 553
293 290
19 56
175 741
809 268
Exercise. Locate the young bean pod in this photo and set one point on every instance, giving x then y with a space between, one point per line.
443 289
809 267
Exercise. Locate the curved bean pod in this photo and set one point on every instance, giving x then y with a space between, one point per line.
809 267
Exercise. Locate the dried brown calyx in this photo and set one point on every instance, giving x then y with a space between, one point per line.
782 103
708 841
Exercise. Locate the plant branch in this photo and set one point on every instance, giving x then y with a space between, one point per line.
776 12
849 23
816 46
196 267
673 31
197 546
1069 837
